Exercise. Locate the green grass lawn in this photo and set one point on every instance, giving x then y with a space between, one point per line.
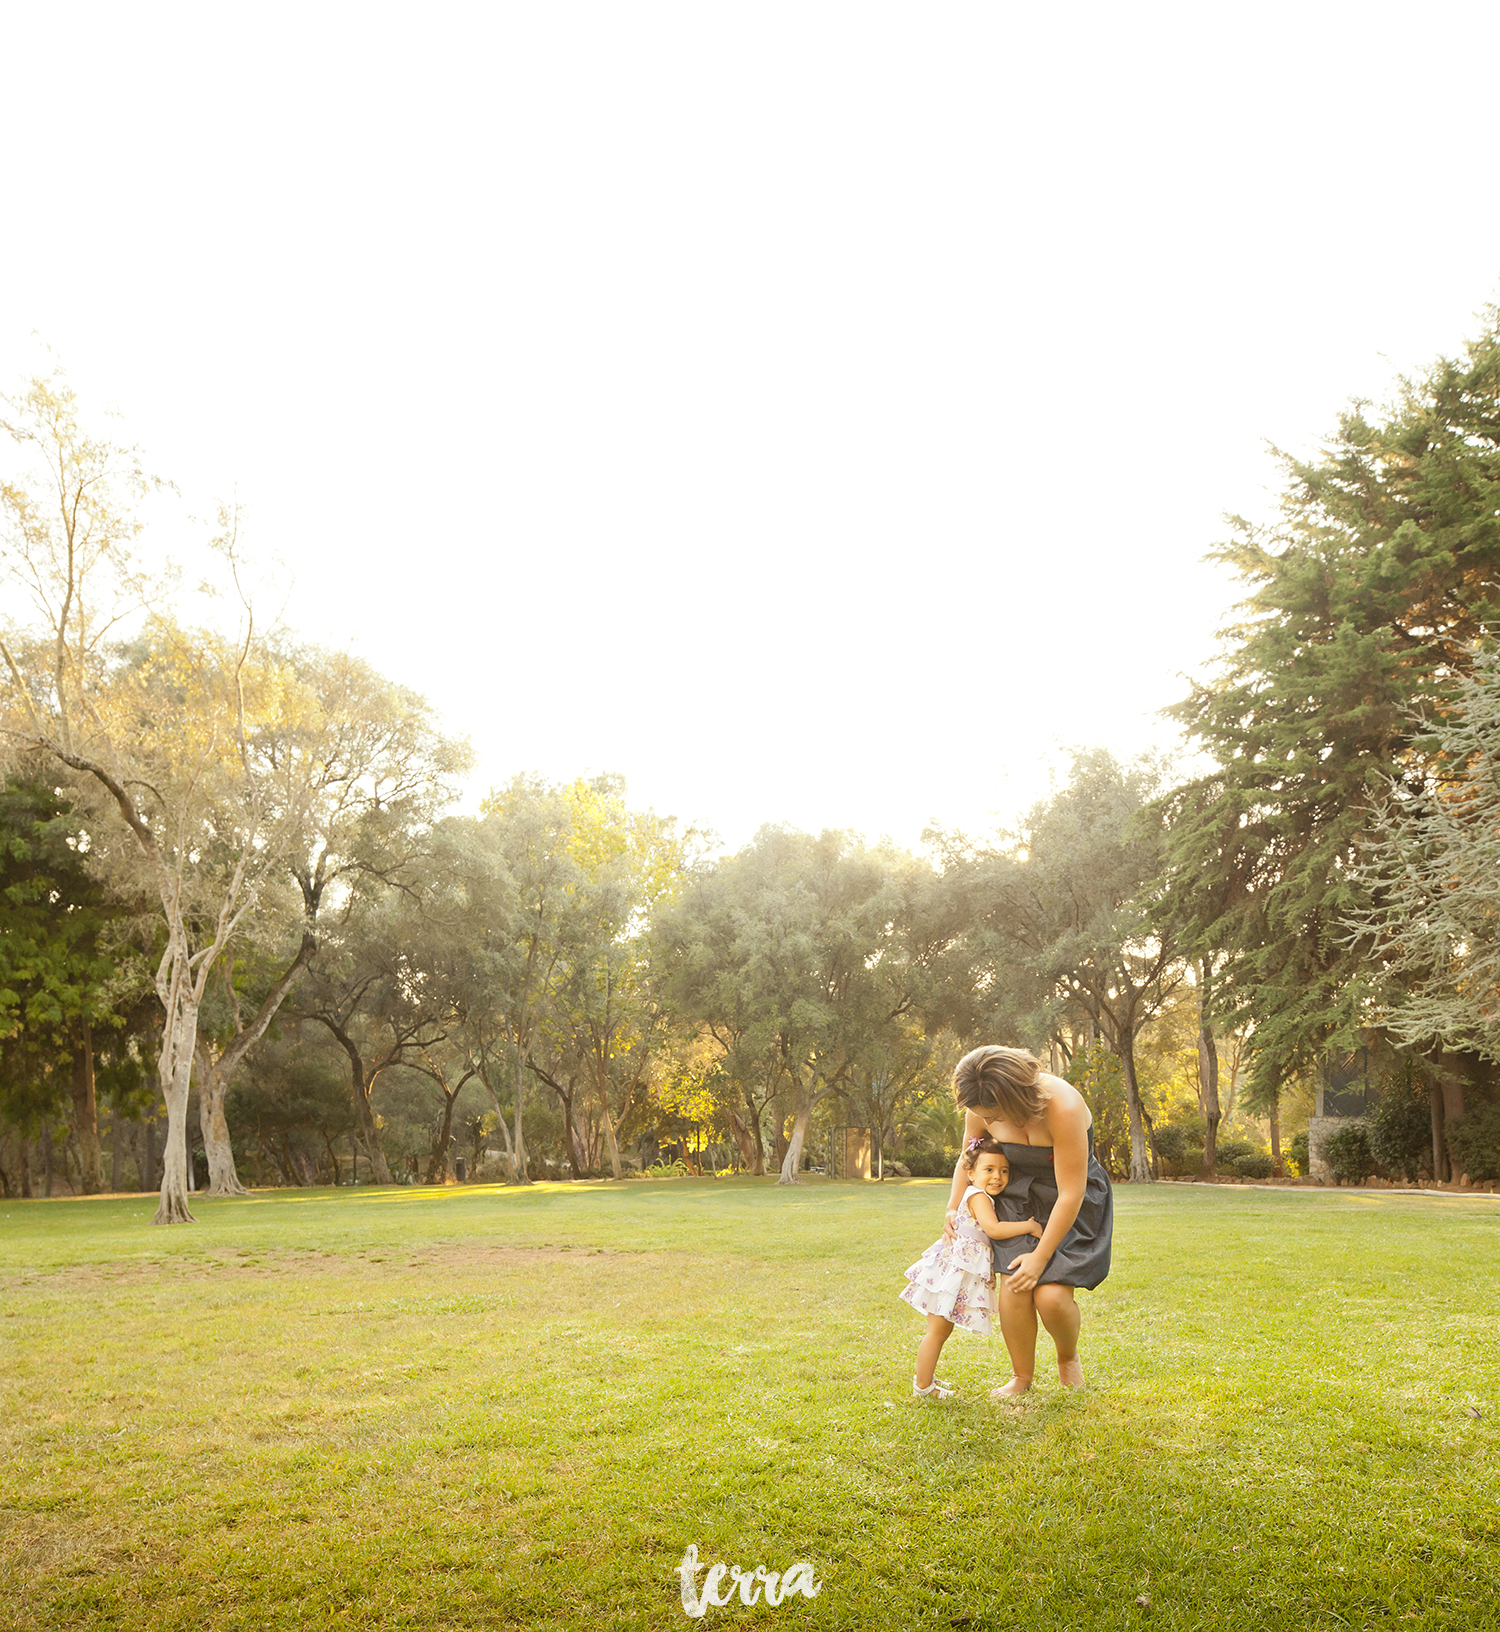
488 1407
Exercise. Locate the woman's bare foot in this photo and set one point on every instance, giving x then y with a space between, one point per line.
1016 1386
1070 1372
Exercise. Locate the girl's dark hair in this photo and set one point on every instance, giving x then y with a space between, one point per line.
1007 1080
981 1147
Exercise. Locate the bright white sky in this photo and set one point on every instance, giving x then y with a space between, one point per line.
816 412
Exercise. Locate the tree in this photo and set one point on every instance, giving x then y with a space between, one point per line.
162 735
777 950
202 760
367 991
1430 903
370 770
601 1018
1072 916
1366 602
1431 877
58 980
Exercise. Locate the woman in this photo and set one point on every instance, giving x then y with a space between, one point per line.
1046 1129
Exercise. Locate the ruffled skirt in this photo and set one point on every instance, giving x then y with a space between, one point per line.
955 1279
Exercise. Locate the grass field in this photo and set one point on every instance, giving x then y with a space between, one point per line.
485 1407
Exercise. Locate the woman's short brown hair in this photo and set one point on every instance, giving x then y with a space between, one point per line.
1003 1079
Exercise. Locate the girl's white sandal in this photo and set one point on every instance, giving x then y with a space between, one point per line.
934 1389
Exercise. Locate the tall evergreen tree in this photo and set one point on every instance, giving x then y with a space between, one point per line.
1367 601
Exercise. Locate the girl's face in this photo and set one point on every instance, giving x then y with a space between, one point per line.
991 1173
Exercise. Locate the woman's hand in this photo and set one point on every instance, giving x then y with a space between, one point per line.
1027 1270
950 1225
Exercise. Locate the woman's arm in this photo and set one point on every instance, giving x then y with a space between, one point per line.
1068 1123
973 1128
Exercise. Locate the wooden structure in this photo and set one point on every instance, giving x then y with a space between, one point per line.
849 1153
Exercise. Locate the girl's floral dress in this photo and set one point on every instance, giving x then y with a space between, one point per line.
956 1279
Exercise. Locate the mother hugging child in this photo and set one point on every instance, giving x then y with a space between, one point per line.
1030 1208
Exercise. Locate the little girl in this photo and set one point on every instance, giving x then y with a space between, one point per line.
953 1282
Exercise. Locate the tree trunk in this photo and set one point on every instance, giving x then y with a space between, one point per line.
757 1143
565 1095
1140 1154
223 1178
742 1137
440 1167
1439 1142
570 1133
116 1154
793 1158
369 1134
361 1086
518 1156
609 1134
510 1153
1278 1166
175 1072
24 1142
1208 1081
47 1157
86 1112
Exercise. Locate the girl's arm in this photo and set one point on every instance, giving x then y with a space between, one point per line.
982 1210
1069 1126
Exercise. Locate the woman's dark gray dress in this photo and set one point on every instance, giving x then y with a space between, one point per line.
1082 1256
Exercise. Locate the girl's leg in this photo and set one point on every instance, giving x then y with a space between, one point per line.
930 1348
1062 1318
1018 1328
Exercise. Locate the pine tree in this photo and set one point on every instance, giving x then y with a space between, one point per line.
1367 602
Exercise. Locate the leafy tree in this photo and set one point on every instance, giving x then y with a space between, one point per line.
1474 1139
287 1103
59 980
163 737
1072 918
207 765
1432 881
370 770
371 991
1366 601
779 950
602 1022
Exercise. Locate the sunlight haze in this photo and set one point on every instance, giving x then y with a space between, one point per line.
816 413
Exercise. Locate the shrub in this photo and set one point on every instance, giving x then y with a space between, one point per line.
1348 1154
1474 1142
923 1164
1298 1153
1180 1144
1401 1128
1228 1151
1254 1166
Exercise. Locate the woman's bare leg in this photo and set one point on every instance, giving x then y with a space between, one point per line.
930 1348
1018 1328
1062 1318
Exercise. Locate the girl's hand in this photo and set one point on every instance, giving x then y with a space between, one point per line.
1026 1271
1032 1227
